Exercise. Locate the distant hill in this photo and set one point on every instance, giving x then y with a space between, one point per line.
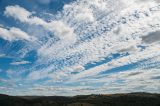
131 99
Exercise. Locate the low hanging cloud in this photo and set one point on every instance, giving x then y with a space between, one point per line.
15 34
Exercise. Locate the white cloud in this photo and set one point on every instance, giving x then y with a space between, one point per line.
85 14
34 75
120 82
102 44
15 34
135 80
62 30
22 14
17 12
59 28
20 63
130 59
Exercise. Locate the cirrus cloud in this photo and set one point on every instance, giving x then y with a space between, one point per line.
20 63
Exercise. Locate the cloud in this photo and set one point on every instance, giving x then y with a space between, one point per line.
22 15
14 76
151 37
20 63
120 82
85 14
59 28
15 34
134 73
34 75
135 80
130 50
62 30
100 40
156 77
17 12
122 61
158 1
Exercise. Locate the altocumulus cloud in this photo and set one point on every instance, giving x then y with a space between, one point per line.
102 46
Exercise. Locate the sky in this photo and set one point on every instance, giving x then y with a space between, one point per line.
79 47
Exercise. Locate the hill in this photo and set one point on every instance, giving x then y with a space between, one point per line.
131 99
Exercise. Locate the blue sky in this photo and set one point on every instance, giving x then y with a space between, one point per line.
73 47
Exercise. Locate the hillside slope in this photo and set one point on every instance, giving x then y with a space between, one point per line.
132 99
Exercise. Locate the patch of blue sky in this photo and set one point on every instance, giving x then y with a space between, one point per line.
5 63
57 5
3 74
129 67
105 60
31 56
11 49
120 69
2 45
105 73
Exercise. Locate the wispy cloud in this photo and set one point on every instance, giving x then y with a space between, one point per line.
20 63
